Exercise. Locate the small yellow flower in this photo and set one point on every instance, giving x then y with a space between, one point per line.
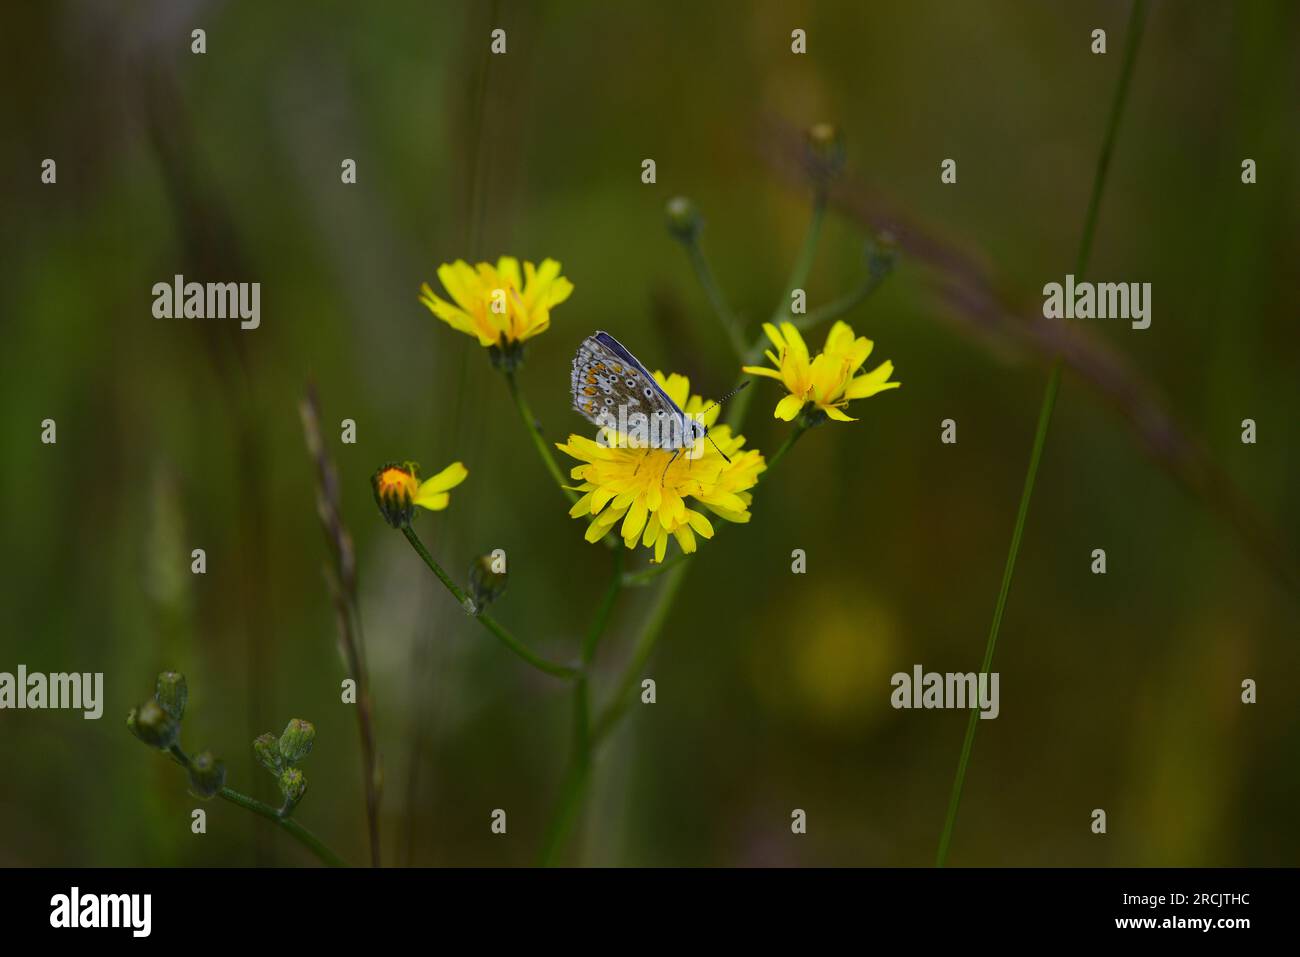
398 490
496 304
830 380
639 487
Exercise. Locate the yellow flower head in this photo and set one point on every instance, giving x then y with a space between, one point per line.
496 304
398 490
830 380
639 487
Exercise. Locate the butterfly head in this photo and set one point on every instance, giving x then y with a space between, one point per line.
693 432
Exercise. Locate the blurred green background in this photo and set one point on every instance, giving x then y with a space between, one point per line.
1119 692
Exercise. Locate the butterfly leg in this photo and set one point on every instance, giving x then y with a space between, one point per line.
676 452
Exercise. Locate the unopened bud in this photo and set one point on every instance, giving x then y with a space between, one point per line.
207 774
683 219
395 487
293 785
172 693
825 152
881 254
295 743
267 750
152 725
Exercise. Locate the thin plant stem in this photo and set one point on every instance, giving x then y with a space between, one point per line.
301 834
539 442
1137 16
804 261
798 276
800 427
645 577
342 581
847 302
730 323
486 620
626 689
574 787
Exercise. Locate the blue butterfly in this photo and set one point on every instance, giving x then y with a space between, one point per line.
611 388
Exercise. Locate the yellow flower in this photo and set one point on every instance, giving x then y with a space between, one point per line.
495 304
639 487
398 490
830 380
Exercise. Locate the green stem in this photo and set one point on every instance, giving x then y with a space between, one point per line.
714 292
800 427
1137 17
539 441
645 577
879 271
627 685
299 833
486 620
804 261
574 787
798 277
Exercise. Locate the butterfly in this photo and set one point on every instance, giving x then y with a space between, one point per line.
614 390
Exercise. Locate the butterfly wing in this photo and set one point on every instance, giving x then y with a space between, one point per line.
607 378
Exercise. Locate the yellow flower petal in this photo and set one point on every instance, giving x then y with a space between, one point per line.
788 407
529 294
794 343
635 521
447 479
875 381
655 494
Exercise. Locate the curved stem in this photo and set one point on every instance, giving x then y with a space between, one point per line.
486 620
717 300
800 427
876 275
574 787
626 691
299 833
1137 15
804 261
645 577
539 442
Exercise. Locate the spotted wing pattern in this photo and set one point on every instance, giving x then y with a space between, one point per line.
607 378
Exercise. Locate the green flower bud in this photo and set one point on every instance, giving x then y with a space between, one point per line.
295 743
684 220
825 152
486 582
172 693
152 725
293 785
267 750
207 774
881 253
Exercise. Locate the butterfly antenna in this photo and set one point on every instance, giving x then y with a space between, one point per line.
742 385
715 445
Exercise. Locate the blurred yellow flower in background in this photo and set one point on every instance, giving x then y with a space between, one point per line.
498 305
639 487
398 490
829 381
